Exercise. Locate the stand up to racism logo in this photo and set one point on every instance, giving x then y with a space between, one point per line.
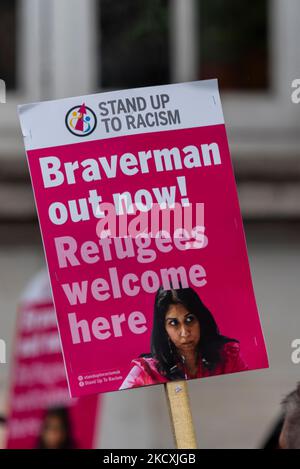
81 120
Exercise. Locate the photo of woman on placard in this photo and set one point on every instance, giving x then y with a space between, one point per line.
185 343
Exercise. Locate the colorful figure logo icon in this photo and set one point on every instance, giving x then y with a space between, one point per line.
81 120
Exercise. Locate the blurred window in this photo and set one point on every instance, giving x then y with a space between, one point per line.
8 40
134 43
233 38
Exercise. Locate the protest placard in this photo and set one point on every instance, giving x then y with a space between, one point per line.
41 412
143 236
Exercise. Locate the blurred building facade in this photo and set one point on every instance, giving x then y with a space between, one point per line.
65 48
60 48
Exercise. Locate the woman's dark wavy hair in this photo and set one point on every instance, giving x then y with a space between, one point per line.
61 413
211 341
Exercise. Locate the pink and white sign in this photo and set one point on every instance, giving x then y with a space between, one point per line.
143 236
39 390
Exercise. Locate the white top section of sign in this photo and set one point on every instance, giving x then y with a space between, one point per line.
118 113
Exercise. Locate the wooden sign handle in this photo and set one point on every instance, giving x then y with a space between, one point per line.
180 413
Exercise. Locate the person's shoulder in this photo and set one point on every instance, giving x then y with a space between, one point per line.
232 358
